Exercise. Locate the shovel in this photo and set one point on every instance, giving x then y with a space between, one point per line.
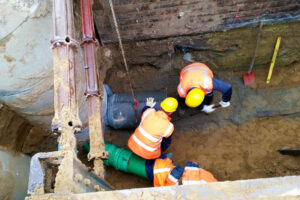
249 77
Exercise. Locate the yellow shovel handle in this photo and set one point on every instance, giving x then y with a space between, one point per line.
273 59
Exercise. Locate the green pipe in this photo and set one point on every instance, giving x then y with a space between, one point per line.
123 160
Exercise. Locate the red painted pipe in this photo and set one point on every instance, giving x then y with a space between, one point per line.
89 44
64 48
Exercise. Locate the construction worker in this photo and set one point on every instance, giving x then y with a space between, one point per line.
153 135
163 173
196 88
194 175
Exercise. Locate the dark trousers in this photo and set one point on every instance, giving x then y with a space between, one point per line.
208 99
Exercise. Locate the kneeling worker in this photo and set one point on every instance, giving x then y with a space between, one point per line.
196 88
153 135
163 173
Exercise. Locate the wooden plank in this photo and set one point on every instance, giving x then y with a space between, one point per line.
152 19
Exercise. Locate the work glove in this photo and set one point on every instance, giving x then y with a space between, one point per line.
224 104
208 108
150 102
177 172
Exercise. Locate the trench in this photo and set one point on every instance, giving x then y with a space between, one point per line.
239 142
235 143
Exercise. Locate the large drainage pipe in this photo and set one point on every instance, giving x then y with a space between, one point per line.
123 160
120 113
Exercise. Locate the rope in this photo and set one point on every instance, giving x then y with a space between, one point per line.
135 102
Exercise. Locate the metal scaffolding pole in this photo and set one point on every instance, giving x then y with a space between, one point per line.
66 119
93 93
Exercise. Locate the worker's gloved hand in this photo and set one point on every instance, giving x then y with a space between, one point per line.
224 104
208 108
150 102
177 172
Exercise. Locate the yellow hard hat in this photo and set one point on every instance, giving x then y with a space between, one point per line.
169 104
194 98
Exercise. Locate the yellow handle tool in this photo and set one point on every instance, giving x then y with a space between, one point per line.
273 59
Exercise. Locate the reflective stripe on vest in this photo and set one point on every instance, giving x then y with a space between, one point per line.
206 77
173 179
205 81
181 90
161 170
146 113
148 136
168 130
193 182
192 168
139 142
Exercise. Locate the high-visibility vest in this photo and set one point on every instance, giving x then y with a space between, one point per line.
196 175
147 137
162 173
196 75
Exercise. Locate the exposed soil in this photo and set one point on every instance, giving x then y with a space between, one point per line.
284 77
234 152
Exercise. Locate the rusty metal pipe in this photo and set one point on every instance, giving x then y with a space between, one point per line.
66 119
93 93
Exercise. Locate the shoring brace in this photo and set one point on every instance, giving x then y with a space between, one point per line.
90 44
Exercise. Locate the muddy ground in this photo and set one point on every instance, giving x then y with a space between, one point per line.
234 152
237 142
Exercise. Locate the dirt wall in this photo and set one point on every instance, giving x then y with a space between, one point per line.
155 64
17 134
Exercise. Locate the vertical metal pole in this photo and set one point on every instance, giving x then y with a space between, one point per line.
66 119
89 44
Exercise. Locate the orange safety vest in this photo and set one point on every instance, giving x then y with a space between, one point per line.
196 75
147 137
196 175
162 173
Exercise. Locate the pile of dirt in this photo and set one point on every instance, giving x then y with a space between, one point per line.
234 152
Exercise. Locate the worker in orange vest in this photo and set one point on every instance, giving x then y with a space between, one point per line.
163 173
194 175
196 87
153 135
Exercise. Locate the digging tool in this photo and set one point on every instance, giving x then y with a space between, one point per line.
273 59
249 77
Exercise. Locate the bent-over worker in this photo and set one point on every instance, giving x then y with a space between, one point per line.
196 87
153 135
163 173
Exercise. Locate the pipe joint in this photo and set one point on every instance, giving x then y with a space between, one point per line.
87 40
93 92
67 41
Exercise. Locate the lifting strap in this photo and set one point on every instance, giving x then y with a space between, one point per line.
135 102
